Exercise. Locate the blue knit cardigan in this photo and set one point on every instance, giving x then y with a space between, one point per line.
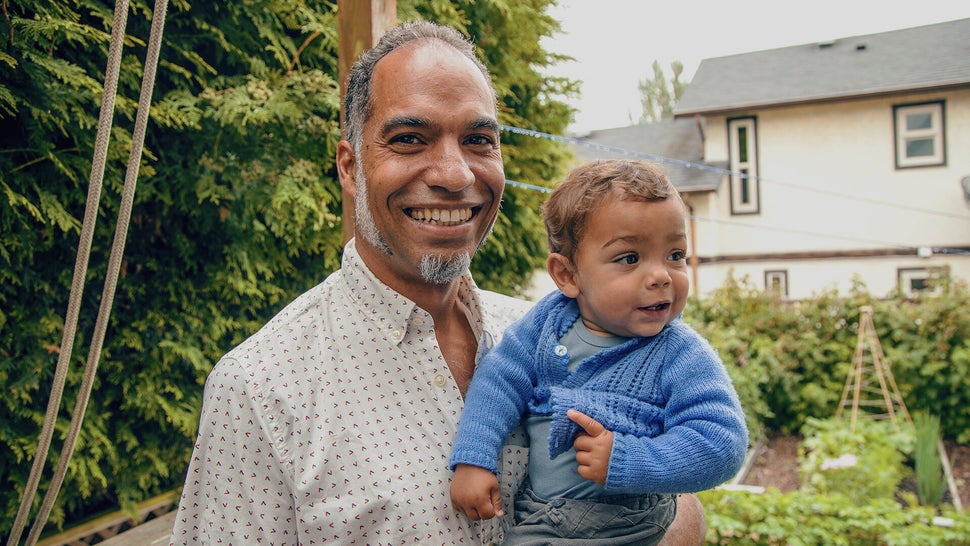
676 420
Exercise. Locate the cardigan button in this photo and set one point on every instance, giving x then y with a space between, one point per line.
560 350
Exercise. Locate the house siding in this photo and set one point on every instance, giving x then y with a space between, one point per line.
830 189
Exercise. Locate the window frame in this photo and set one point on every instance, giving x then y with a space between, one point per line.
745 190
937 133
782 276
906 275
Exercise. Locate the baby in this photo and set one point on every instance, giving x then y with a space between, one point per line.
625 404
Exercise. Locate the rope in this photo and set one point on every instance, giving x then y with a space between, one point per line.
80 265
114 265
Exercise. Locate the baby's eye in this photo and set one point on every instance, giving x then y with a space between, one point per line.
628 259
677 256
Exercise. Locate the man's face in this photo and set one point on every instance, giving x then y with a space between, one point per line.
429 174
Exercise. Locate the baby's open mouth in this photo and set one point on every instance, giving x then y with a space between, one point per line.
658 307
442 217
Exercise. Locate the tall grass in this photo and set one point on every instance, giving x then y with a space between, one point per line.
927 459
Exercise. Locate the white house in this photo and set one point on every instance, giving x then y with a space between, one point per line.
808 166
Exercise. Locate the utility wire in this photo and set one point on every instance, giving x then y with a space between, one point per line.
719 170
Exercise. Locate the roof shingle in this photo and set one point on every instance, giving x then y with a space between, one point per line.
918 58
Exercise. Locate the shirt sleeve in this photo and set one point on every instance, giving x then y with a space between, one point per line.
236 490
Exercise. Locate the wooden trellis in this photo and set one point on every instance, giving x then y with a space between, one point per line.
871 383
873 387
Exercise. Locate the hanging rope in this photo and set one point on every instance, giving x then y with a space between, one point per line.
119 25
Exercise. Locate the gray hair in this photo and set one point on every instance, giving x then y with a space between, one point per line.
357 100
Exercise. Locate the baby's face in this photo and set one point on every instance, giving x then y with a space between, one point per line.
631 267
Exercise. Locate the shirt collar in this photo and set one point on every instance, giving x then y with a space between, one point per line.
388 309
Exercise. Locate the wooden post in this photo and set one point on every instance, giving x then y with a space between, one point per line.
693 260
360 24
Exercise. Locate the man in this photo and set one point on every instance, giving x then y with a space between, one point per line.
334 422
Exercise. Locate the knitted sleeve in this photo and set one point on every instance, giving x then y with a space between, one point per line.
498 396
639 419
704 438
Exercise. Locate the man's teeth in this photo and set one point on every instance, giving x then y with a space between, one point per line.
442 216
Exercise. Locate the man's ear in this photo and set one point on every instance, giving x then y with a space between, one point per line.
563 274
347 167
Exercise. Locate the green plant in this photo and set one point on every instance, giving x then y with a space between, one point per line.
864 465
743 518
790 360
928 465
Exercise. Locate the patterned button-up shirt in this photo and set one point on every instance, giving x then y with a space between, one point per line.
334 423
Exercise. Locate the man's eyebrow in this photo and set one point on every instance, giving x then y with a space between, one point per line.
485 123
395 123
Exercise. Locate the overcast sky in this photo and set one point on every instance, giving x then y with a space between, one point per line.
615 42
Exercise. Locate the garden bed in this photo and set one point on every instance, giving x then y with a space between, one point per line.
776 465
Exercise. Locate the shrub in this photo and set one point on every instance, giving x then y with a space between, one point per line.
790 359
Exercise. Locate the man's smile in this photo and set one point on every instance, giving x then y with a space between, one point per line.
444 217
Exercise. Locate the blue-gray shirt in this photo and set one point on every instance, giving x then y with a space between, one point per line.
552 478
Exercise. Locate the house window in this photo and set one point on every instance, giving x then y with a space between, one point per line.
776 282
916 280
743 151
919 135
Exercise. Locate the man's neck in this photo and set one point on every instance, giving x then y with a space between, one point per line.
439 300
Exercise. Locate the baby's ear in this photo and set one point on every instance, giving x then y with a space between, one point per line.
563 274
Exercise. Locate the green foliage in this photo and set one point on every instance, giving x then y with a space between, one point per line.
930 482
863 464
787 361
659 96
927 340
790 360
237 211
797 518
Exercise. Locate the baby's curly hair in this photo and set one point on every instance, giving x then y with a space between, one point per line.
567 210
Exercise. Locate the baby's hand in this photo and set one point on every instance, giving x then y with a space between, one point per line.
593 447
475 493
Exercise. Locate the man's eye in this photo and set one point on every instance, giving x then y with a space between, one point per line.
480 140
629 259
406 138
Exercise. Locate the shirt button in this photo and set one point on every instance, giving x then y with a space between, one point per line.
439 380
397 335
418 321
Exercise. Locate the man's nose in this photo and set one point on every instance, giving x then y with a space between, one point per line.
450 169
